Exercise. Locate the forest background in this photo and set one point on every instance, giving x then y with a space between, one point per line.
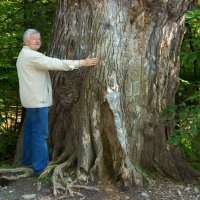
17 16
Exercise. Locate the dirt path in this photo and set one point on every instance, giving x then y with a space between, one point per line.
34 189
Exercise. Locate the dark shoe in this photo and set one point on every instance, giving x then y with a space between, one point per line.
37 174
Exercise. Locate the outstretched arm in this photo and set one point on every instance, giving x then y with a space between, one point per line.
43 62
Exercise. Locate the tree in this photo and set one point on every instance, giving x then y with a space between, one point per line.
107 118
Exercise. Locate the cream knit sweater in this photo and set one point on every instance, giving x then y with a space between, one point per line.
34 80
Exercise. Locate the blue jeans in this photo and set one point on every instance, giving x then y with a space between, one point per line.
35 149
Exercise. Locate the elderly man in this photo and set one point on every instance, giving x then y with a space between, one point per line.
36 96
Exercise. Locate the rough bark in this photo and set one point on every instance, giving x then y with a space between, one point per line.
110 114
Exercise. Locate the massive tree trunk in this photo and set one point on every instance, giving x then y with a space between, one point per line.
108 116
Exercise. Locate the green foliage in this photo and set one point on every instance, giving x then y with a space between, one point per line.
9 101
149 176
5 165
186 117
7 145
45 178
196 165
15 18
186 114
190 52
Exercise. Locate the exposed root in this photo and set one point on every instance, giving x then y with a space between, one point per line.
96 170
48 170
61 158
15 173
58 181
82 177
63 185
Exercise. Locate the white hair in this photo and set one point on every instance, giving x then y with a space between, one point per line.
29 32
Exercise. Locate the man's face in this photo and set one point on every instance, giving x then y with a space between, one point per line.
33 41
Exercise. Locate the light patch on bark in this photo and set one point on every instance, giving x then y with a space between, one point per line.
87 150
98 147
114 100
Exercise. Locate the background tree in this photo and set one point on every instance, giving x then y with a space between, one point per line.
190 52
187 108
106 120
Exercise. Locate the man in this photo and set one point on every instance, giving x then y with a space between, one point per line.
36 96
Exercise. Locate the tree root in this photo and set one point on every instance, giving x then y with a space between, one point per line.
9 175
58 181
48 170
15 173
61 184
61 158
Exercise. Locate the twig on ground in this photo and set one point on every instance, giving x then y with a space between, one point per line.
79 194
86 187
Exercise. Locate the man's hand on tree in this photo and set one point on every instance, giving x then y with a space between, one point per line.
90 61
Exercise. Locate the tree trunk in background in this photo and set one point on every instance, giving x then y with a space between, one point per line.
110 114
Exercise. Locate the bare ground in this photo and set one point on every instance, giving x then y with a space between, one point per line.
160 189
